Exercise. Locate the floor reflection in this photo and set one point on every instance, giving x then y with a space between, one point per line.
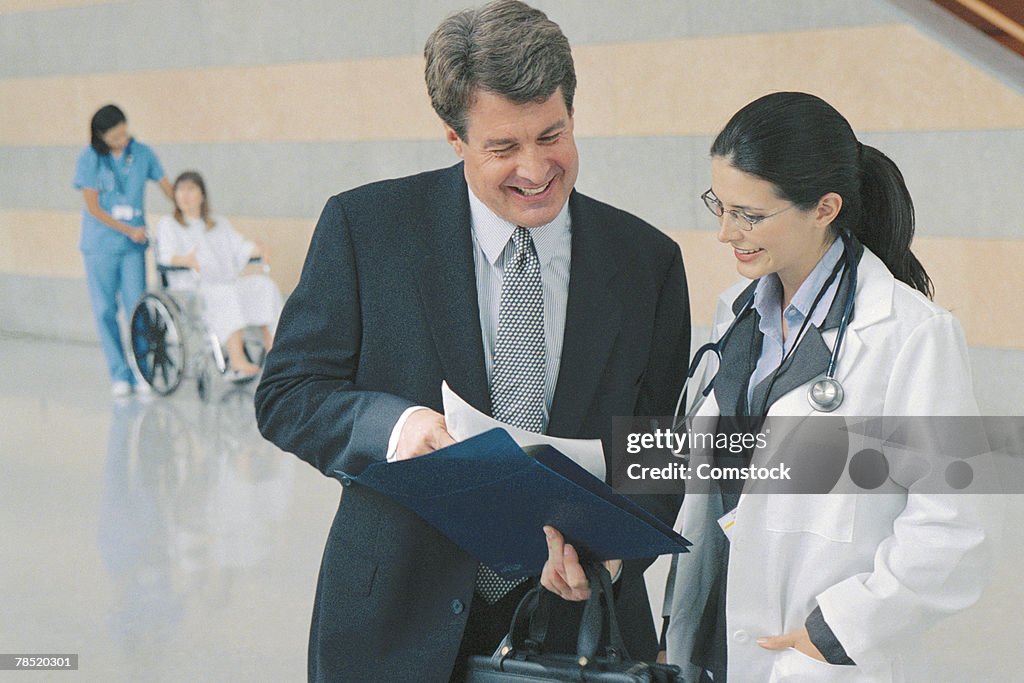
161 540
192 497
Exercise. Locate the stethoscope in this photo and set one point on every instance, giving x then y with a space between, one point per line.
826 394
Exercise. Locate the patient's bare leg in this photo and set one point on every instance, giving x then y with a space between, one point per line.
236 354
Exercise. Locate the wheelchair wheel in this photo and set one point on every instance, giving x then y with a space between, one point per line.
158 342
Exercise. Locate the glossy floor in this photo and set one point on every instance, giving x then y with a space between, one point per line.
164 540
161 540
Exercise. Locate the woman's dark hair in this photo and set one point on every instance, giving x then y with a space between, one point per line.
806 149
204 208
102 121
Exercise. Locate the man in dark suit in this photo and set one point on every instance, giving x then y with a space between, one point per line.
535 303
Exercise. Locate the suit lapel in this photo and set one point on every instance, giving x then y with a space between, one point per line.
739 356
592 320
808 361
447 284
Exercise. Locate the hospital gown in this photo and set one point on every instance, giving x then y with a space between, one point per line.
231 300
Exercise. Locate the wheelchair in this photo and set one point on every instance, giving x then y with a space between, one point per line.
170 342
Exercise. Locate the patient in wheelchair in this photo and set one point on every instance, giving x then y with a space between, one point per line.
236 293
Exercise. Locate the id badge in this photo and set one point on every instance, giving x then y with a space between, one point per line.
728 523
122 212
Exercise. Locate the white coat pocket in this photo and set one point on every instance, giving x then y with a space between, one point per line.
793 666
829 515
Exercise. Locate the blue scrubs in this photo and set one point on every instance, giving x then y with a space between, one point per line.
114 265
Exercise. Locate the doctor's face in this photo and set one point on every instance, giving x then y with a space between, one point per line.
520 159
789 243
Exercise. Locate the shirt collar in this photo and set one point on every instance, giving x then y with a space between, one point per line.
493 232
768 295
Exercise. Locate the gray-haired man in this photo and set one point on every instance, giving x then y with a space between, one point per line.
535 303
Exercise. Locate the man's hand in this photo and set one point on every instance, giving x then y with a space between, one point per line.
424 432
563 574
799 640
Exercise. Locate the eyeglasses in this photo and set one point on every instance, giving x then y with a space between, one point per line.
745 221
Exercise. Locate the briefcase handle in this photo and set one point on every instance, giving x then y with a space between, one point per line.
593 617
529 623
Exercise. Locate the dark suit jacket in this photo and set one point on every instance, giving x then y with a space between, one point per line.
386 309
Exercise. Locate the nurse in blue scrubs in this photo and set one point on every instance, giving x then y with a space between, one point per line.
112 173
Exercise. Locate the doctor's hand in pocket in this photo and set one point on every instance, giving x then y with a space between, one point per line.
563 574
799 640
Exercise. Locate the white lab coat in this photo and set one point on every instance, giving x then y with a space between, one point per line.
883 567
230 301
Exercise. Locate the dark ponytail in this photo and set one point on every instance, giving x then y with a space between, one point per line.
806 149
103 120
886 224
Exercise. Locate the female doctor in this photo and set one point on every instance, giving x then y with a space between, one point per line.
835 586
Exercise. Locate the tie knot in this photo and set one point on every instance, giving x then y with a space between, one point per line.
522 240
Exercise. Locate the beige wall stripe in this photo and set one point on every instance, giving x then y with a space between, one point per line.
901 81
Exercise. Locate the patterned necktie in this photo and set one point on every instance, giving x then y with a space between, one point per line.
517 381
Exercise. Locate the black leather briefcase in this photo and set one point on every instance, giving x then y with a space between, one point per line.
521 656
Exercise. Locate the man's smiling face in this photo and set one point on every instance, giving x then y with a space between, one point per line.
520 159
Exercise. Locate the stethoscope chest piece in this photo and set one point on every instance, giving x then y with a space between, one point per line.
826 394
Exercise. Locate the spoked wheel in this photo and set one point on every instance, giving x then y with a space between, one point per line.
158 343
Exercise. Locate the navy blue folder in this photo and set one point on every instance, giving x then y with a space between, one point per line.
492 498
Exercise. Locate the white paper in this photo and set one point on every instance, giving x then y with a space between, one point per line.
464 421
